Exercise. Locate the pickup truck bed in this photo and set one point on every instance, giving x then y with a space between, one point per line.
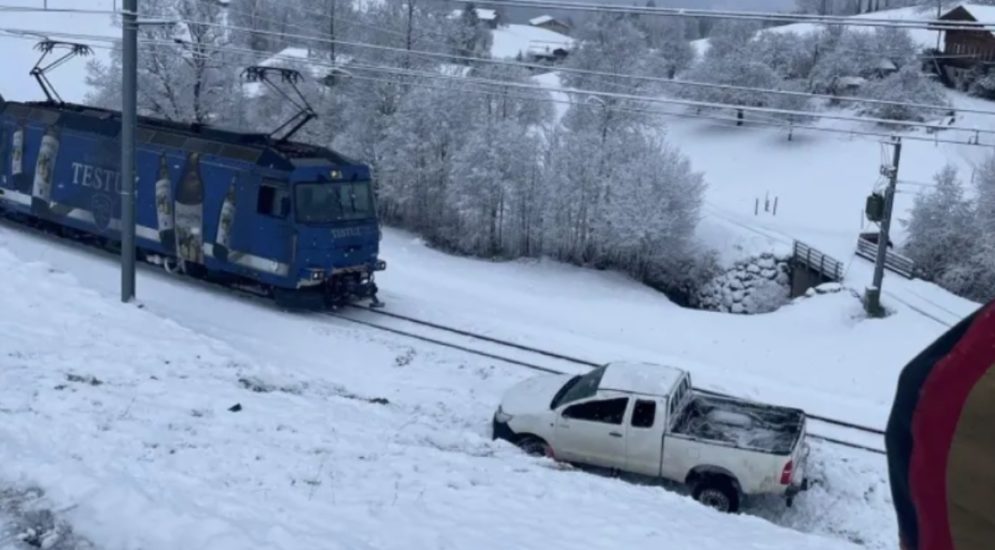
741 424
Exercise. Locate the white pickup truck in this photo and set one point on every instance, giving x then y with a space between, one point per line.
646 420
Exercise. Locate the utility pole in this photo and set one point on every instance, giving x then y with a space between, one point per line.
129 122
331 28
872 299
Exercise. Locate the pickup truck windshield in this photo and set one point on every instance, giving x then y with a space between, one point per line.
578 387
333 202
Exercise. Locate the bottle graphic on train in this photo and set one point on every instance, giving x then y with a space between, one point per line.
222 242
41 191
189 214
17 159
164 207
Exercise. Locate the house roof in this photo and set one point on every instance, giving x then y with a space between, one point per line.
645 378
976 12
483 14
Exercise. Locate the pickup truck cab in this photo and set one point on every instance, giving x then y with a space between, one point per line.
647 420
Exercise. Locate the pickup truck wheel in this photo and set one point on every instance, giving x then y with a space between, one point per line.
534 446
718 494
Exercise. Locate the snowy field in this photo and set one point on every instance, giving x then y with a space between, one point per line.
343 438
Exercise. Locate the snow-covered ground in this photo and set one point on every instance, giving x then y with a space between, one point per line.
923 37
342 438
17 47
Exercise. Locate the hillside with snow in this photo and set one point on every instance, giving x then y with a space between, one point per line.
200 419
205 420
924 38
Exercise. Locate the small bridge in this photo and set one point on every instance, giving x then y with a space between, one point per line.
811 268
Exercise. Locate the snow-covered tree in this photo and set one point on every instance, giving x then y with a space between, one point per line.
738 70
790 54
730 37
183 72
909 84
469 35
951 237
493 191
859 53
941 225
667 39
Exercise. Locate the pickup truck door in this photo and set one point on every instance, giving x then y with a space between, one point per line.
644 436
591 432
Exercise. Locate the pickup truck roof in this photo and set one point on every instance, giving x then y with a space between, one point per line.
644 378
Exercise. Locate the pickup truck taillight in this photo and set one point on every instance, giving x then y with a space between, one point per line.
786 472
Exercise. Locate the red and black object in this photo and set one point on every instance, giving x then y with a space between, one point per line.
941 440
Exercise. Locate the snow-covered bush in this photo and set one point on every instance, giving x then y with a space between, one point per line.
756 285
909 85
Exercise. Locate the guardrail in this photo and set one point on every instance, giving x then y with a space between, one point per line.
823 264
893 261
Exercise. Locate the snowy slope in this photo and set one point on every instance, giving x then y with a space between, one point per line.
510 40
344 439
924 38
19 56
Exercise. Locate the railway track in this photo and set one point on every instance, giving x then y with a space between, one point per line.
830 430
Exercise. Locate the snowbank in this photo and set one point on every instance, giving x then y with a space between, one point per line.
288 432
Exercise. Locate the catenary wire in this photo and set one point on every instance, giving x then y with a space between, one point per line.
686 102
775 17
612 75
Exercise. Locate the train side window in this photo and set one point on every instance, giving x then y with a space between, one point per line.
273 202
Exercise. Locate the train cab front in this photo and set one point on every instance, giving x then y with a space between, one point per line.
337 234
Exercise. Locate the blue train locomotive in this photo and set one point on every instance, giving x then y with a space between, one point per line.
295 219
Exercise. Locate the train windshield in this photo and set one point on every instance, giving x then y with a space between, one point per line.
333 202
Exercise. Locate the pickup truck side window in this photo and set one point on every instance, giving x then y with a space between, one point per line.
608 411
643 414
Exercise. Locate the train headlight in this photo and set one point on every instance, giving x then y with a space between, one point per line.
316 274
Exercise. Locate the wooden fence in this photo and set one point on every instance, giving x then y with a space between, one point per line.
893 261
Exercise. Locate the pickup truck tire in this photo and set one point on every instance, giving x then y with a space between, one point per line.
717 492
534 446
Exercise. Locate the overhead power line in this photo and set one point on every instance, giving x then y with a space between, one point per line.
702 104
26 9
397 71
411 73
771 17
649 78
615 75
